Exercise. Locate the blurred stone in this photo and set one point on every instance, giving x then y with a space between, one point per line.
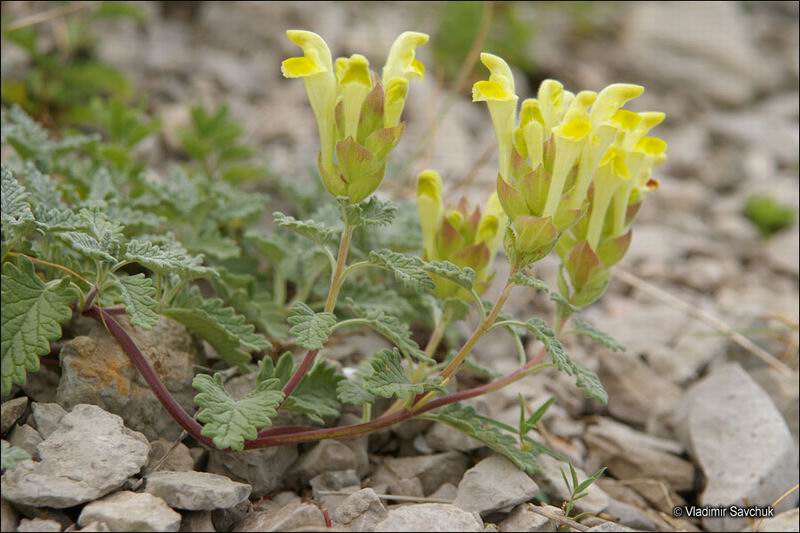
630 516
179 460
430 517
38 524
131 511
361 511
197 522
95 370
406 487
9 519
196 491
523 519
785 393
786 521
26 438
740 440
46 417
286 518
432 470
324 456
629 454
334 481
494 484
263 469
10 412
783 251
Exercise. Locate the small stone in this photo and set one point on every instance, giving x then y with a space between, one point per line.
337 481
740 440
785 393
179 460
551 481
411 486
46 417
361 511
432 470
98 527
629 454
196 491
786 521
10 412
8 517
444 438
523 519
197 522
90 455
324 456
432 517
447 491
37 524
131 511
494 484
263 469
359 446
26 438
227 519
286 518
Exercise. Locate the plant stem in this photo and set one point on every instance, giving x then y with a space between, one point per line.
330 304
138 359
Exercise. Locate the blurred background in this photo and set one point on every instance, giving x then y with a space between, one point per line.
198 85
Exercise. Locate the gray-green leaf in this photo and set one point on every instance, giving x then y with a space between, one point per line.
310 329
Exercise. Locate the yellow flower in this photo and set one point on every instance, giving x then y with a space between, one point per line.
355 83
612 173
401 66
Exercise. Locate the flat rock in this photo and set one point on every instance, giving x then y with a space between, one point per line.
630 516
361 511
197 522
196 491
410 486
630 454
286 518
740 440
432 470
346 481
263 469
90 455
430 517
494 484
523 519
95 370
131 511
46 417
38 524
609 526
10 412
551 481
26 438
442 437
96 526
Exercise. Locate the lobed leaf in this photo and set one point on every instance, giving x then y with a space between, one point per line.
463 277
407 269
137 295
584 328
10 456
520 278
315 231
311 330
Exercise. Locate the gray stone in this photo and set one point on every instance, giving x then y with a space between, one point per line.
443 438
286 518
361 511
26 438
786 521
263 469
432 470
785 393
196 491
551 481
782 251
609 526
636 393
740 440
8 517
325 455
10 412
46 417
95 370
630 515
494 484
38 524
90 455
523 519
131 511
197 522
629 454
179 459
359 446
430 517
411 486
447 491
336 481
227 519
96 526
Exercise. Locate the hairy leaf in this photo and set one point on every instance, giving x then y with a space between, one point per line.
388 378
310 329
407 269
16 212
371 212
166 258
467 420
315 396
230 422
10 456
392 329
32 315
315 231
463 277
137 294
520 278
584 328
